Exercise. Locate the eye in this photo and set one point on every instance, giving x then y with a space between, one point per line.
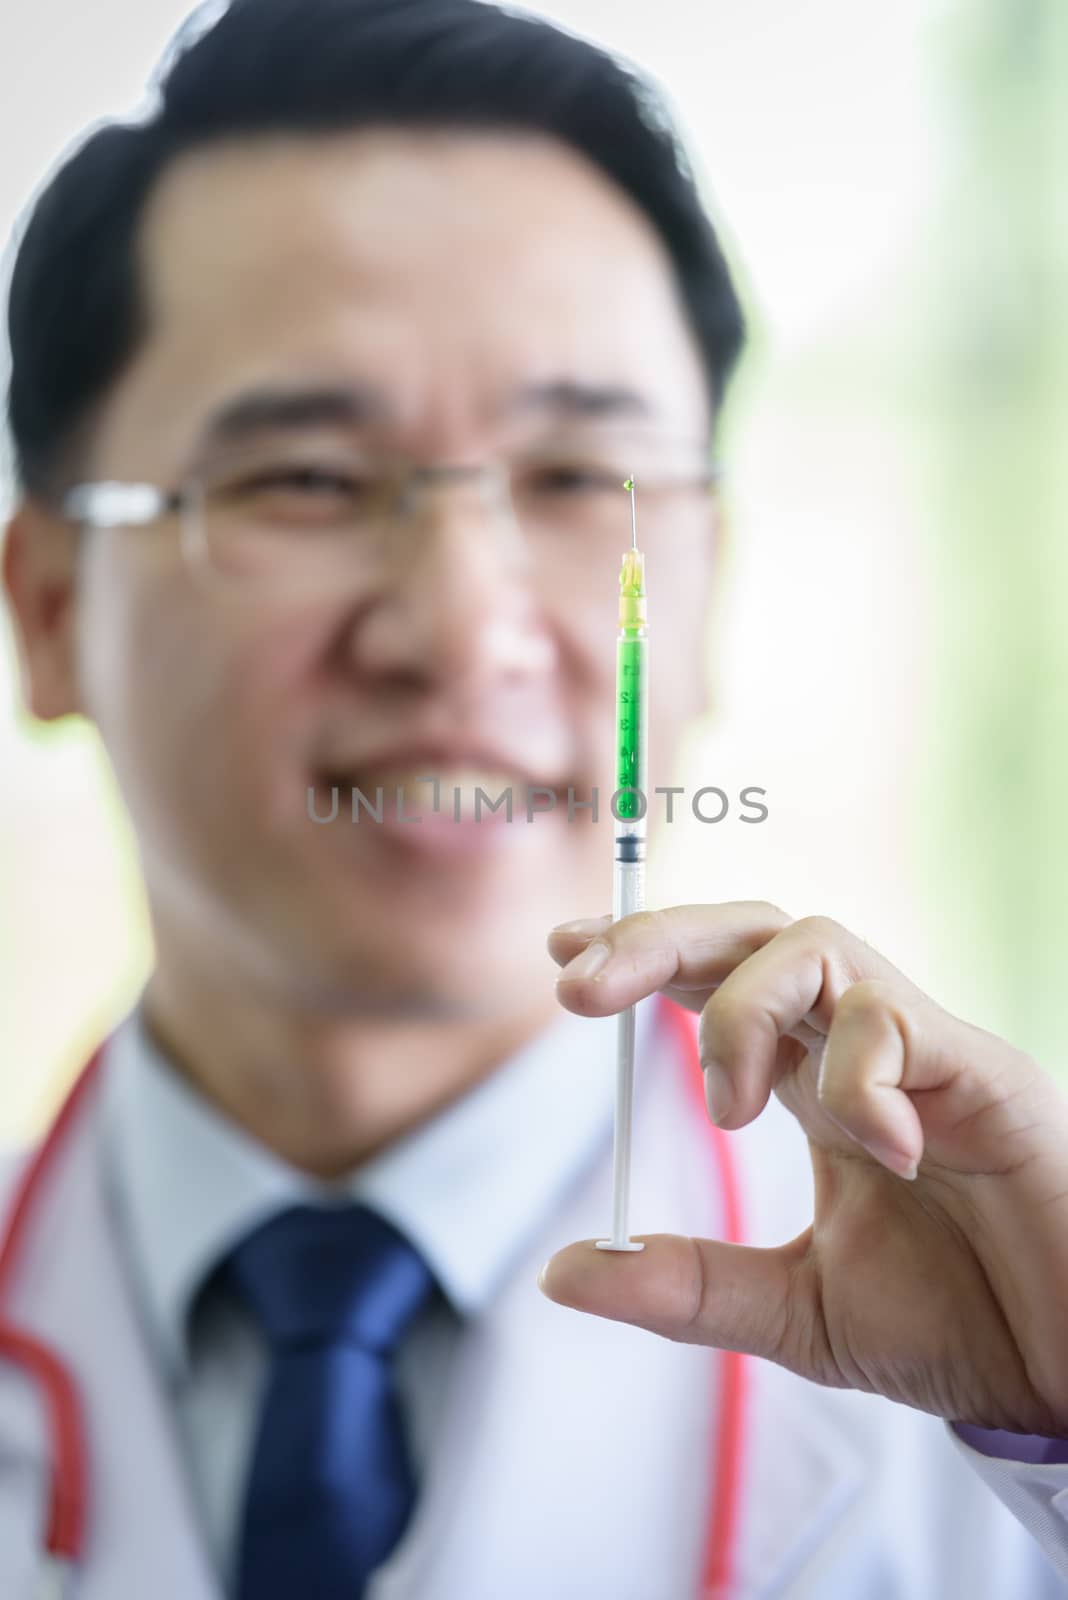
312 481
570 478
298 492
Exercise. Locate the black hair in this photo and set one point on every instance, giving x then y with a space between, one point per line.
75 313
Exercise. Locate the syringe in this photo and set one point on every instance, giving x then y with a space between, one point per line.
629 834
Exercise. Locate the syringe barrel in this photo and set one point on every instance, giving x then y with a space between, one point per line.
631 800
632 804
628 888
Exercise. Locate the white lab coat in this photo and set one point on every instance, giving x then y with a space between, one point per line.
845 1496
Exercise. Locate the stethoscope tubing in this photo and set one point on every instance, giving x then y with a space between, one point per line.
68 1510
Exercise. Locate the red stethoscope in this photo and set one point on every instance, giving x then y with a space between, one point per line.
68 1501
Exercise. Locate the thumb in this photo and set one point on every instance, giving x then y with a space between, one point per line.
698 1291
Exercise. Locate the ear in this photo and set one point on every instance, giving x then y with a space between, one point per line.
40 573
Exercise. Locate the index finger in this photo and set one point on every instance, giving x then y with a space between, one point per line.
685 951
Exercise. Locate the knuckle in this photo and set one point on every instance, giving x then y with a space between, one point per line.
817 930
636 931
653 930
772 913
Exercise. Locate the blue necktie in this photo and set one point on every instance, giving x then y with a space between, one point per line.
331 1486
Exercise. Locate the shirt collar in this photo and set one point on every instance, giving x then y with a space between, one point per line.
469 1188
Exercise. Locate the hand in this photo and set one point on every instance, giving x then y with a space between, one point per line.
935 1271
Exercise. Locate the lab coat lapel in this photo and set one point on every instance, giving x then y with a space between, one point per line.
803 1469
142 1535
804 1476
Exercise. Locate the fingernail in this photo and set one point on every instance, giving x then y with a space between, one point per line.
886 1156
902 1165
585 927
719 1095
587 964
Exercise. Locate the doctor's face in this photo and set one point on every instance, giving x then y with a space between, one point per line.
382 295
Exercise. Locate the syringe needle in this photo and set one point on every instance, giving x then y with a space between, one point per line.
629 485
629 854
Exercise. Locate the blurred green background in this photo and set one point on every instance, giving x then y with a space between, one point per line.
888 653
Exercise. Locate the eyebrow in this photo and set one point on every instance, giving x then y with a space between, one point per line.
267 409
566 397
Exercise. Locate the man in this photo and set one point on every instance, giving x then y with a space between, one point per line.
287 1245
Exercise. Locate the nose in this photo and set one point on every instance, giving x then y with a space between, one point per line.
456 601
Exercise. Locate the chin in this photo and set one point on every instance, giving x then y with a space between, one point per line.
414 973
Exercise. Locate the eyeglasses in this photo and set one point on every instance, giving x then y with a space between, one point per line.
308 512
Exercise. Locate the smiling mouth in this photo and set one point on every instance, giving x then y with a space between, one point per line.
437 792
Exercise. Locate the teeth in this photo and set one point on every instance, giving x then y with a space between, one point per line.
468 779
457 789
417 781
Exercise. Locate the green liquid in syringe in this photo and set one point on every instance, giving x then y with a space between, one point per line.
630 665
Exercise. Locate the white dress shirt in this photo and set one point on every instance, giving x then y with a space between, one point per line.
470 1189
